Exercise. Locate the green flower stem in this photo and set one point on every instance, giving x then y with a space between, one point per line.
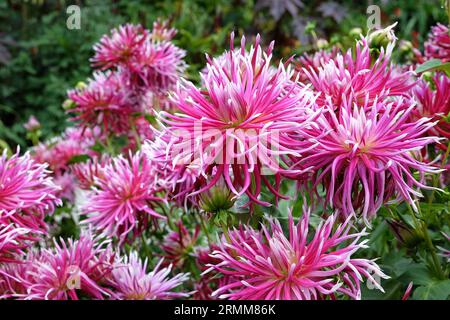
204 228
422 227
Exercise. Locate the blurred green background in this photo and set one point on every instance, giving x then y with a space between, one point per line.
40 58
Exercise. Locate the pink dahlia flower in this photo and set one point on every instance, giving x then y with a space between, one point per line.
59 151
240 123
104 102
69 271
357 74
124 198
12 242
438 44
86 173
368 155
131 281
27 192
159 65
314 61
12 275
179 245
162 32
178 180
268 265
120 47
435 103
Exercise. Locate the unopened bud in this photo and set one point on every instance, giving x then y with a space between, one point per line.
80 85
381 38
68 104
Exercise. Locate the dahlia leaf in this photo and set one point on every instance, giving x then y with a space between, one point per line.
434 65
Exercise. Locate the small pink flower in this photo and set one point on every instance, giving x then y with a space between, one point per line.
12 242
357 74
124 198
179 245
312 62
438 44
27 192
104 102
120 47
268 265
434 104
86 173
131 281
32 124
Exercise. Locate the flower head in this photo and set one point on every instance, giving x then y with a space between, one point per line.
239 124
268 265
356 74
27 192
434 104
12 242
69 270
367 155
124 198
438 44
131 281
86 173
179 244
120 47
103 102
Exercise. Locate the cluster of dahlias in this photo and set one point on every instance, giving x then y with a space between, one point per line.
350 130
135 70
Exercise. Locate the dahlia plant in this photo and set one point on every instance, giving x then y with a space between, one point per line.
163 187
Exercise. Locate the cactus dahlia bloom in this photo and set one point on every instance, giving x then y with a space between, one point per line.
179 244
359 76
27 192
87 172
131 281
240 122
438 44
268 265
12 241
12 276
158 65
434 104
367 156
124 199
178 180
103 102
68 271
120 47
314 61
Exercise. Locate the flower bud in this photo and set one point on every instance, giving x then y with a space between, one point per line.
80 85
355 32
404 234
217 199
68 104
382 37
32 124
322 43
